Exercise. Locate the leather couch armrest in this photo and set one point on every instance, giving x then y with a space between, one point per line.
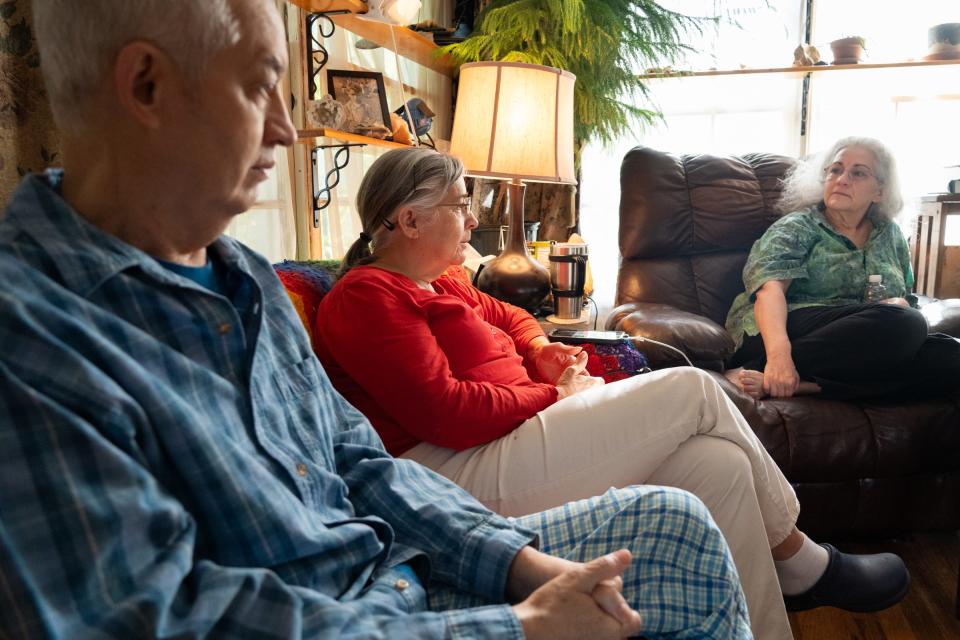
706 343
943 316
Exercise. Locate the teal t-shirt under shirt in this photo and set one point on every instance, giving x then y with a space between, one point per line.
206 276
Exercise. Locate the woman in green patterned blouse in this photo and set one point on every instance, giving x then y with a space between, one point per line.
803 325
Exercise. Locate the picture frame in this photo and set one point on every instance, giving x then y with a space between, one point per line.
363 96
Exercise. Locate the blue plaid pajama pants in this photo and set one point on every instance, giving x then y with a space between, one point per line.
682 580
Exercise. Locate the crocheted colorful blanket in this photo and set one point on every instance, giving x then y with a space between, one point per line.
306 283
615 361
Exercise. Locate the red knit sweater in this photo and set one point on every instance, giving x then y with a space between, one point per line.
437 367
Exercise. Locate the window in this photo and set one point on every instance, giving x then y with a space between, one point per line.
280 225
891 29
720 115
914 110
269 227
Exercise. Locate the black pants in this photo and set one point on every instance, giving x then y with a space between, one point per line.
864 350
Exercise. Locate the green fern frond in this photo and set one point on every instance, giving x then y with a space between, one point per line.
600 41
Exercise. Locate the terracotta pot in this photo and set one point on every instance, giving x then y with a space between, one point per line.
944 41
847 50
947 33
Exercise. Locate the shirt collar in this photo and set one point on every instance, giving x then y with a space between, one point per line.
85 256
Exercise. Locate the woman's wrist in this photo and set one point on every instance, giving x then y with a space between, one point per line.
778 349
535 346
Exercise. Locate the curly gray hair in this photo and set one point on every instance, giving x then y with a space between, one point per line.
78 42
803 185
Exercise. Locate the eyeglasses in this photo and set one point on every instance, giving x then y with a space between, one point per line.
461 208
857 174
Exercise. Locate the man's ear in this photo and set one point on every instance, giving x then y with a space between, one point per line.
142 76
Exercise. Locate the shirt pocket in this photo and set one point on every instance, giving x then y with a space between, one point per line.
294 380
291 410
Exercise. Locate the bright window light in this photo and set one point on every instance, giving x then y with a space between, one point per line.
892 31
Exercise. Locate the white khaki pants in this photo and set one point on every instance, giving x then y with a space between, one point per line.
673 427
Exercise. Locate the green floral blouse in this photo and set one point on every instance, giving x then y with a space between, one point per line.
824 267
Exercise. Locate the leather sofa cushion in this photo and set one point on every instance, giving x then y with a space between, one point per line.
706 343
687 224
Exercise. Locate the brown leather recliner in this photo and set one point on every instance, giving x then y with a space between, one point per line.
860 468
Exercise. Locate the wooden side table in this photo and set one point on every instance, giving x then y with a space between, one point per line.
934 264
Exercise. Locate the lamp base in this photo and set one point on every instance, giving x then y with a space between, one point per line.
516 278
513 276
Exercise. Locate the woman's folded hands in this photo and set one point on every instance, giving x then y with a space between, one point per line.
561 364
575 378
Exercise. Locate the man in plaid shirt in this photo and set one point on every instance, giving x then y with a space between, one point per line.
174 461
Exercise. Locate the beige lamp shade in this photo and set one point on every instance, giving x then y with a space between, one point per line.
515 120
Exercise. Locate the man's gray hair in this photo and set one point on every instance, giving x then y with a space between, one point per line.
79 41
803 185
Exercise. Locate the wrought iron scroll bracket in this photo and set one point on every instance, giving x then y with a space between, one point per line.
321 195
317 54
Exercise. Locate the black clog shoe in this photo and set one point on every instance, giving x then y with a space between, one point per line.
860 583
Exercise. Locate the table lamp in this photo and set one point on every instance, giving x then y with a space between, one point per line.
514 122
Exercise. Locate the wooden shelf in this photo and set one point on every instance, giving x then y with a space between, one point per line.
410 44
801 70
305 135
405 42
317 6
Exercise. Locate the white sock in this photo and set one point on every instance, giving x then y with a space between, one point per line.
801 571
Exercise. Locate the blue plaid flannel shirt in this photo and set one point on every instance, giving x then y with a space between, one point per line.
176 464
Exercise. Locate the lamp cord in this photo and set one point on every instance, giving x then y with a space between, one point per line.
596 317
403 97
596 311
665 345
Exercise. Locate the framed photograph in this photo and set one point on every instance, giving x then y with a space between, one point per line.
363 97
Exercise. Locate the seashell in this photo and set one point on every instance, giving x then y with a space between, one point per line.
326 113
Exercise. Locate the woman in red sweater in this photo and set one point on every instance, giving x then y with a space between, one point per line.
470 387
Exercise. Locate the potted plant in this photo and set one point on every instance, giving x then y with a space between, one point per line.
604 43
944 41
848 50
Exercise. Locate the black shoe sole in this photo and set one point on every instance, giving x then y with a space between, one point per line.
795 604
810 600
